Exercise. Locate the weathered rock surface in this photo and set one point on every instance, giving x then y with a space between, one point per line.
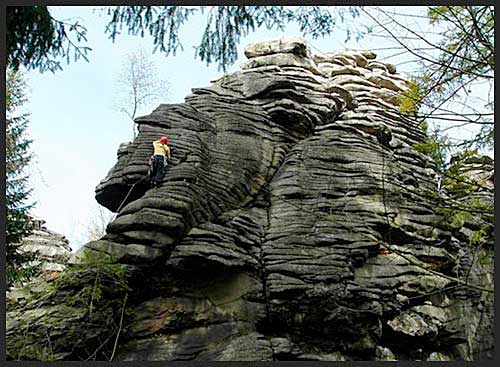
296 222
52 249
52 252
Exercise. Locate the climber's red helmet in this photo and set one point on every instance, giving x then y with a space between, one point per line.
163 140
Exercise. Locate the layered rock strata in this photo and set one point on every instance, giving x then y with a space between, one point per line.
296 222
52 249
52 253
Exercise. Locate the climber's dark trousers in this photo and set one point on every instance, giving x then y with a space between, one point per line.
158 169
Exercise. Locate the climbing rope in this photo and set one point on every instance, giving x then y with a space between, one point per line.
126 197
128 193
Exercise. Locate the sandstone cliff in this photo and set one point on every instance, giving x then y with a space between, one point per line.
52 253
296 221
52 249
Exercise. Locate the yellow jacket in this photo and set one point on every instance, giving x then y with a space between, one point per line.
161 149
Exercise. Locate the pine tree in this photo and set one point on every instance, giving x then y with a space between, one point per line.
36 40
17 191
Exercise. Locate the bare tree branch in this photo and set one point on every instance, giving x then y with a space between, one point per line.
138 84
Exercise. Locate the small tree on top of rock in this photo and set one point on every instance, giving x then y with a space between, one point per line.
138 84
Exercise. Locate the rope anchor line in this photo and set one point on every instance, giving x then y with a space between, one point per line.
126 197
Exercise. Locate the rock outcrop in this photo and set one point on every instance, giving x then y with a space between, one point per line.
51 250
296 222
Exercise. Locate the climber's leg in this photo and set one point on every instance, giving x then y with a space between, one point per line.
159 169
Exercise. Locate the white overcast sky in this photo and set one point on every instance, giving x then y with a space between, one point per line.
76 131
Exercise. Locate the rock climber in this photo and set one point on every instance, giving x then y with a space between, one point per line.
159 161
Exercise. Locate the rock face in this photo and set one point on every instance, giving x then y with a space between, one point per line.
296 222
52 251
52 248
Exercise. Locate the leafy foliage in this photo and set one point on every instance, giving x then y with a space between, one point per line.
409 99
469 43
467 204
225 25
463 202
162 23
77 313
17 157
435 146
466 56
36 40
106 273
456 63
455 181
